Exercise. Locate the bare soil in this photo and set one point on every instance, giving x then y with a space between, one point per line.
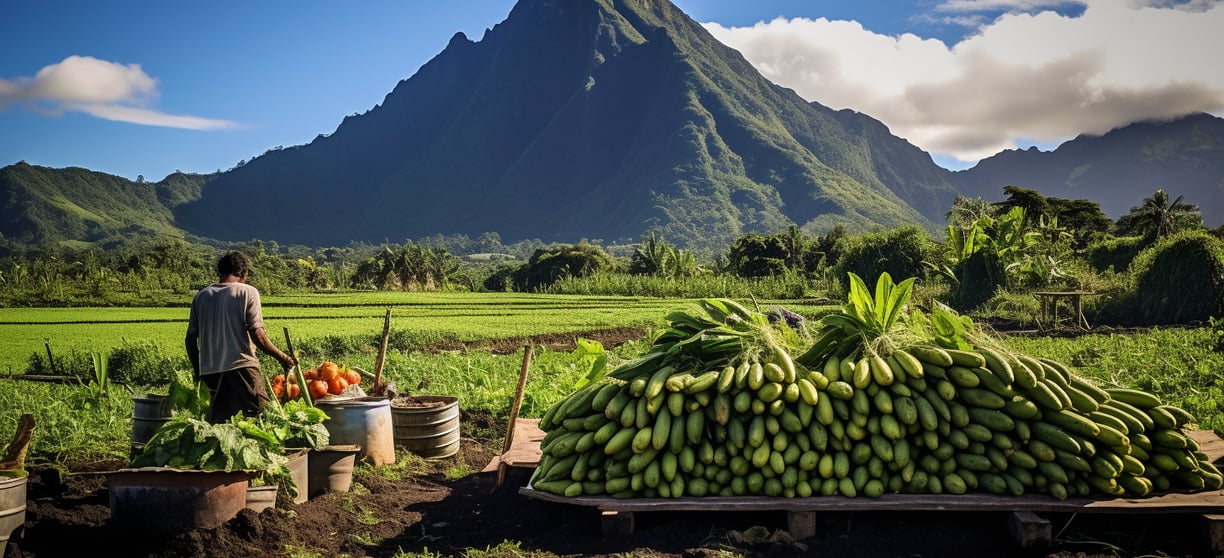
68 514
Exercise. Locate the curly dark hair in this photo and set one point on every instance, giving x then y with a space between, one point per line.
234 262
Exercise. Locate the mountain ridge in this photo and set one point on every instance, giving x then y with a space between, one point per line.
1183 156
597 119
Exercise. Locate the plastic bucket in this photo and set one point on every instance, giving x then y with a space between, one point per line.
162 502
149 412
331 469
12 508
427 425
364 422
299 469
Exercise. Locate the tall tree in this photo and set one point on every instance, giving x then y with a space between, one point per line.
1157 217
1031 201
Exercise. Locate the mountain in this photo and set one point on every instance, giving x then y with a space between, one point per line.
580 119
1118 169
42 206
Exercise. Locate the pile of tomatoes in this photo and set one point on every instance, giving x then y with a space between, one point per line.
328 378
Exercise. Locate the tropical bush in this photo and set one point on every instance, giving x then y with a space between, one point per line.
549 265
1114 252
899 252
1180 279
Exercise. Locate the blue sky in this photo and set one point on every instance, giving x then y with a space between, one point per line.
145 88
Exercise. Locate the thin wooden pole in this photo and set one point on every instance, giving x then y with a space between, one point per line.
518 397
514 411
377 388
50 359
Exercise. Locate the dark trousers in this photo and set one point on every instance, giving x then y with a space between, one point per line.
237 391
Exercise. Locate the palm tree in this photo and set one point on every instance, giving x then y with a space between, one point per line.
651 256
795 242
1157 217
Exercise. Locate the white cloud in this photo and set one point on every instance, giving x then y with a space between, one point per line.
1005 5
100 88
1040 76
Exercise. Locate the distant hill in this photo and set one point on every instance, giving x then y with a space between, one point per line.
40 206
580 119
1118 169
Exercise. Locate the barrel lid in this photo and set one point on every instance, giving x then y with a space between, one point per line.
354 401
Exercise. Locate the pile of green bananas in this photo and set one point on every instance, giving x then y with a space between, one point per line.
718 406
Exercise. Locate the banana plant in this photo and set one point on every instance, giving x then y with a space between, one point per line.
865 322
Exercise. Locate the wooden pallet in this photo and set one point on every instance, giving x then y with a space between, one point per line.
1026 526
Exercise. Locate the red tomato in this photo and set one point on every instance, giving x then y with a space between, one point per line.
318 389
328 370
293 391
337 385
352 376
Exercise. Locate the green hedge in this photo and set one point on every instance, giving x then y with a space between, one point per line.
1180 279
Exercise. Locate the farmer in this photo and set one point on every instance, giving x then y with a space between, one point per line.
223 329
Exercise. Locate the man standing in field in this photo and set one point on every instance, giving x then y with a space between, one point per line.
224 327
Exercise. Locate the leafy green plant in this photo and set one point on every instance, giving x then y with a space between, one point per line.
1217 331
96 392
589 356
187 442
187 396
295 424
947 328
866 320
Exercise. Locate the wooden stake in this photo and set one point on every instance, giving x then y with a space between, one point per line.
518 397
50 359
377 387
514 411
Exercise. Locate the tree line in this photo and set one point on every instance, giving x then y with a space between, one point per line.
1027 241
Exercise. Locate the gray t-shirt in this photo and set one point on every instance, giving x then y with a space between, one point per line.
223 316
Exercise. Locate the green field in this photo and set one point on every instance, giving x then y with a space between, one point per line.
461 317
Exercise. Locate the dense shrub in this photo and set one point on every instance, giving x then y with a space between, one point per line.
900 252
549 265
978 277
755 255
140 363
1114 252
1180 279
145 363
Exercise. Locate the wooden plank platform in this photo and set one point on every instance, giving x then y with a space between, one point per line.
617 513
524 447
1210 501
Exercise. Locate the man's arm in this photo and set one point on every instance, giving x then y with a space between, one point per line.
193 352
265 344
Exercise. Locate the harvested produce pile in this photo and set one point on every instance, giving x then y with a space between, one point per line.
320 381
723 403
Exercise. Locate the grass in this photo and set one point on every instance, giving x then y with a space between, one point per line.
417 317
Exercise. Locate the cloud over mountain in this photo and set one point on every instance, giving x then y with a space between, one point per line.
1028 75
